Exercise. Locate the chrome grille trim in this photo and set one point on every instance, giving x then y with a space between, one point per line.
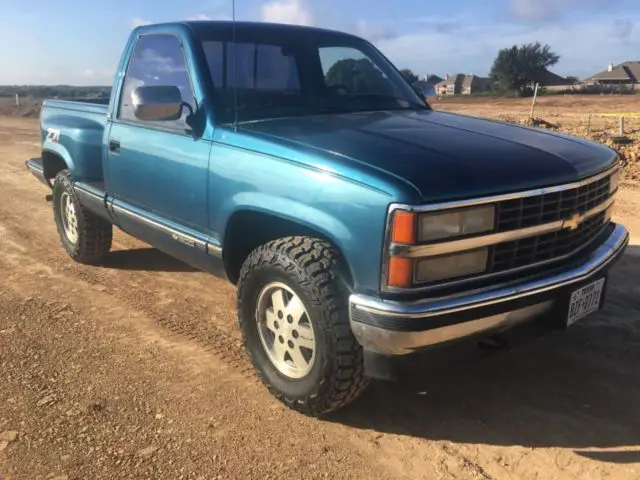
454 246
433 207
497 237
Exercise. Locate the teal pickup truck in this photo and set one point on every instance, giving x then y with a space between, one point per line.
359 225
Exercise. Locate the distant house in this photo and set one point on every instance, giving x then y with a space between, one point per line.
549 79
427 80
432 79
474 84
451 85
626 73
462 84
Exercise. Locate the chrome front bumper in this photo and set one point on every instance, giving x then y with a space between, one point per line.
399 328
35 166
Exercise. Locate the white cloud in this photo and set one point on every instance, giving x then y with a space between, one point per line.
549 9
139 22
207 17
200 16
287 11
373 32
585 47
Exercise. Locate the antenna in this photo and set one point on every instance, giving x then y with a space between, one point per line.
235 82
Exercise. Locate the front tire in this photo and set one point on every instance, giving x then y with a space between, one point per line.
85 236
292 310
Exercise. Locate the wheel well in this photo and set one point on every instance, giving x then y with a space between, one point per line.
52 164
247 230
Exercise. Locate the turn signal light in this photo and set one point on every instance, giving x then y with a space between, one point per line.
404 227
400 272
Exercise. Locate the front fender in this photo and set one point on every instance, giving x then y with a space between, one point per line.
60 151
357 232
287 209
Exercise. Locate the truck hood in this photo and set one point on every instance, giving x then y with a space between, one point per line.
444 155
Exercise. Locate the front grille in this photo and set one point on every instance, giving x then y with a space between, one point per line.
546 247
540 209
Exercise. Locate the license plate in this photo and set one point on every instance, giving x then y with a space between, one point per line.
585 301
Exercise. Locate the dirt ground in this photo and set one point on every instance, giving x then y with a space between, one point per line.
135 370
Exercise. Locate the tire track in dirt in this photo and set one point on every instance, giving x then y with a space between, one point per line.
187 316
193 305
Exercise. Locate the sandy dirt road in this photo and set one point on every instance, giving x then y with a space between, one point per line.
135 370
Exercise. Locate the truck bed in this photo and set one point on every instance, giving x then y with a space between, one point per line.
73 130
89 105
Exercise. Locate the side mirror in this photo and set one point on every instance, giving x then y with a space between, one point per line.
157 103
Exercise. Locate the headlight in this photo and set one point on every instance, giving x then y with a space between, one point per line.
439 226
411 229
614 181
450 266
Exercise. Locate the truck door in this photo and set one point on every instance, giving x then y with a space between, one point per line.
157 169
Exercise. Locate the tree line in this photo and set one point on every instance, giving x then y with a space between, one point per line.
51 91
515 69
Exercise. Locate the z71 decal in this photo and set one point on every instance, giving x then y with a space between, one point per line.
53 135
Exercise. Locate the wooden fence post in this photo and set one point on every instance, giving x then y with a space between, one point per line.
533 103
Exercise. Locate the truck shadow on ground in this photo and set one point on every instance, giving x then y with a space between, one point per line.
578 388
145 259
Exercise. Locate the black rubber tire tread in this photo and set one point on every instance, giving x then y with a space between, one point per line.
314 264
94 233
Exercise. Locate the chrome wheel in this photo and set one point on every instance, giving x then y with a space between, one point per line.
69 217
285 330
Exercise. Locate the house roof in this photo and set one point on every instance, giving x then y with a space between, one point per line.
452 80
431 80
626 71
474 80
545 78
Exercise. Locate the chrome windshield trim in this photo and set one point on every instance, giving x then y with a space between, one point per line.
601 257
508 196
455 246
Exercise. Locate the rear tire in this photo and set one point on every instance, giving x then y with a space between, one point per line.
85 236
293 314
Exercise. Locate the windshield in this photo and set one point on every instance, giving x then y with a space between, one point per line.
301 74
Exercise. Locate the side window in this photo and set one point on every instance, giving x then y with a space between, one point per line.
259 67
156 60
351 70
263 77
213 51
262 67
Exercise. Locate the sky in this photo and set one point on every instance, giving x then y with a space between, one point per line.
79 42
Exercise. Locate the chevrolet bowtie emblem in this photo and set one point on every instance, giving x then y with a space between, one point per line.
573 222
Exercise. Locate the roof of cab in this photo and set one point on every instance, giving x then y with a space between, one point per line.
201 26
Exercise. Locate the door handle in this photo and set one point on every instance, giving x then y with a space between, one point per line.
114 146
